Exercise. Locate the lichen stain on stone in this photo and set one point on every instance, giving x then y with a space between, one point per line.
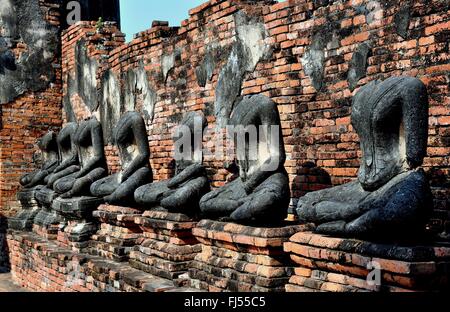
109 109
23 21
137 92
67 104
83 82
247 51
358 65
314 58
214 55
401 21
86 76
168 62
131 91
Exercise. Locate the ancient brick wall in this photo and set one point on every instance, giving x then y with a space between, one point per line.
42 266
309 56
30 90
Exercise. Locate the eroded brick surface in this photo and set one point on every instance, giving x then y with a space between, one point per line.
342 265
241 258
168 247
40 265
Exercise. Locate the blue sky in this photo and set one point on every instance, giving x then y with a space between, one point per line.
137 15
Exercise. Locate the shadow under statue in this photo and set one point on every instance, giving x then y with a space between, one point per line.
182 193
130 136
261 194
34 181
392 196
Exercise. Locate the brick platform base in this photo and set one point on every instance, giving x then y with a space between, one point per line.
118 233
328 264
241 258
40 265
49 233
168 247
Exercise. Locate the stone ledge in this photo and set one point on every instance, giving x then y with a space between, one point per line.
213 231
395 252
342 265
77 207
115 215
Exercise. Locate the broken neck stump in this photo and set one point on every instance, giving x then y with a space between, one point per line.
327 264
241 258
168 247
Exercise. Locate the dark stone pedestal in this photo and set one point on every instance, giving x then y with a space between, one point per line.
168 247
118 232
47 221
30 208
241 258
326 264
80 225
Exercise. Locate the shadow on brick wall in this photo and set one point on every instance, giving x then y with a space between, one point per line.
309 178
4 255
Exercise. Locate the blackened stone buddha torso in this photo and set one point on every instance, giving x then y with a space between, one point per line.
182 193
89 142
68 164
130 136
33 182
68 154
261 194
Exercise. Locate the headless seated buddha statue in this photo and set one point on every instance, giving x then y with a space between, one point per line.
49 151
67 164
261 194
392 196
68 154
182 193
33 182
130 136
89 142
